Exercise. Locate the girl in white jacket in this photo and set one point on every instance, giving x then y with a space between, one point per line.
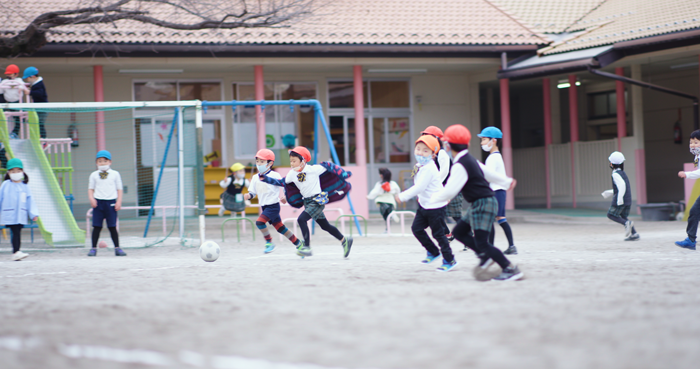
383 194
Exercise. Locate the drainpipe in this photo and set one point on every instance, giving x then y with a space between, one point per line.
547 98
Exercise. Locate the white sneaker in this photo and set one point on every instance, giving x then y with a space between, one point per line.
19 255
395 218
221 211
628 228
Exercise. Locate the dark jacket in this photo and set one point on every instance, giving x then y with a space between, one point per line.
38 92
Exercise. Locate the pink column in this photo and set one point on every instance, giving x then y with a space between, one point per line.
621 108
259 113
547 98
573 127
507 147
98 84
360 149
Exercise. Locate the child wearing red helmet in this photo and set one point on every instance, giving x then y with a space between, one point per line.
12 88
269 200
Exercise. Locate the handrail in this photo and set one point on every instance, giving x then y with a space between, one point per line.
402 214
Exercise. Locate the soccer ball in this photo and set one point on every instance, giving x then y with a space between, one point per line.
102 245
209 251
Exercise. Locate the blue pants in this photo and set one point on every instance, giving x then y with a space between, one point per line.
104 211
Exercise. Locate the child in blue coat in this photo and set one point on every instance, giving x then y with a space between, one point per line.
16 204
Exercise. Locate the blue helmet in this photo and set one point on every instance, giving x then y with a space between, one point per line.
104 154
29 72
491 132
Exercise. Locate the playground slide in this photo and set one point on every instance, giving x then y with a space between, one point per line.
56 221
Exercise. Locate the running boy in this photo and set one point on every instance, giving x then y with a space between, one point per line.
426 182
269 200
621 196
694 214
469 177
489 143
383 194
105 194
307 180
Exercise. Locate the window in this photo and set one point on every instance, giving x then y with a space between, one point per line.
603 105
342 94
176 90
155 91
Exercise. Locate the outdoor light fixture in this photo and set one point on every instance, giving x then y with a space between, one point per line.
150 71
397 70
564 83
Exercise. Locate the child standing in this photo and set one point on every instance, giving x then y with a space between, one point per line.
269 200
469 177
16 204
231 199
105 194
621 196
383 194
37 91
12 89
430 213
694 214
489 143
307 179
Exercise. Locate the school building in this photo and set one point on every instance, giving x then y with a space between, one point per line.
544 71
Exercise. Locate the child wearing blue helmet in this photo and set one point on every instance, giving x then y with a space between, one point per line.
490 137
105 193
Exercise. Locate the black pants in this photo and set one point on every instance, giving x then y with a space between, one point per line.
385 209
16 236
693 219
479 242
435 219
323 222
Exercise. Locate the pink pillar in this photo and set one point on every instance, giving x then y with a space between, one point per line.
573 126
547 98
621 108
259 113
360 149
98 84
507 149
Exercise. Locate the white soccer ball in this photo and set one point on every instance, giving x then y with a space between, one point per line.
209 251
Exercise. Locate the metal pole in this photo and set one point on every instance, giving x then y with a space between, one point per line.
160 175
181 169
200 172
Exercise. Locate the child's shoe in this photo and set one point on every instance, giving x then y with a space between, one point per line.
511 250
118 252
511 273
446 267
347 244
19 255
450 237
92 252
686 244
430 258
303 250
634 237
269 247
628 228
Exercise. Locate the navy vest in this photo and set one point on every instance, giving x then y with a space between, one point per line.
476 187
628 193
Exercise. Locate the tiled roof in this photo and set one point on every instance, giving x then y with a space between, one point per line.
622 20
548 16
440 22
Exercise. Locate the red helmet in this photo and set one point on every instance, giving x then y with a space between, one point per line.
304 152
432 130
265 154
11 69
457 134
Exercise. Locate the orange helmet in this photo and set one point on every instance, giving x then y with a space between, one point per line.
432 130
11 69
431 142
457 134
265 154
304 152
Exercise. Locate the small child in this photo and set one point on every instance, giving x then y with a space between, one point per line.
12 88
694 214
231 199
426 182
38 93
105 194
383 194
269 200
621 196
489 143
308 181
16 203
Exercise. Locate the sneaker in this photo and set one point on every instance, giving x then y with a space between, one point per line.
395 218
634 237
221 211
303 250
446 267
511 250
13 136
481 272
430 258
450 237
686 244
347 244
19 255
92 252
628 228
511 273
484 261
269 247
118 252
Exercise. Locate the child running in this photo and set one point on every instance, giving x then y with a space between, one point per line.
383 194
231 199
621 196
306 179
470 178
16 204
431 213
105 194
489 143
269 200
694 214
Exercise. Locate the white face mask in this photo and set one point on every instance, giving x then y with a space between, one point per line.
488 147
17 176
695 150
262 168
240 175
103 168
